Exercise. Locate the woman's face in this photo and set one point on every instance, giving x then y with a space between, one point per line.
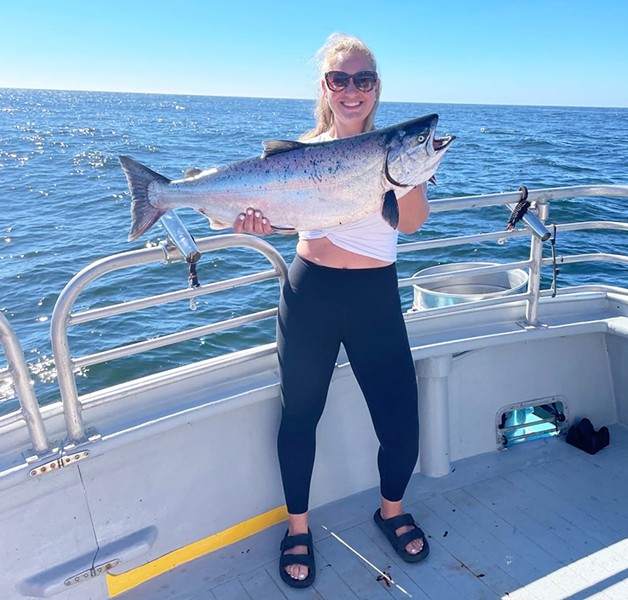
350 106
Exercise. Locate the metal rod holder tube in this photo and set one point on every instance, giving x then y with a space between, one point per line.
534 279
180 237
534 224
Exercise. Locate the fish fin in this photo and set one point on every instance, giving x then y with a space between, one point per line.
217 225
283 230
272 147
196 172
143 214
390 209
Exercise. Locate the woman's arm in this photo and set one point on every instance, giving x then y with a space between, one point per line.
413 209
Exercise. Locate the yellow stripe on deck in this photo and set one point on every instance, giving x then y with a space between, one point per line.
117 584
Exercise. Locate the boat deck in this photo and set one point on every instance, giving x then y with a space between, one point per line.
541 520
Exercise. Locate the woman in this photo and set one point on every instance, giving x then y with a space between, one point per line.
318 311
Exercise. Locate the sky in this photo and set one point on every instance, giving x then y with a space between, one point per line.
537 52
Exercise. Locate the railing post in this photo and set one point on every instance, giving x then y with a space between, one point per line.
63 361
23 387
534 279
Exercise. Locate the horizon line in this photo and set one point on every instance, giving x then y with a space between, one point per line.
37 89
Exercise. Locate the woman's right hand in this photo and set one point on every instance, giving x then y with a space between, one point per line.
252 221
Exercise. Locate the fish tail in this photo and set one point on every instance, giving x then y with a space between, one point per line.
143 214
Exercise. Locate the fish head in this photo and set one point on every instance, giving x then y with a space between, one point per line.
413 153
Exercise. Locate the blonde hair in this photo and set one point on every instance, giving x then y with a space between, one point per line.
337 43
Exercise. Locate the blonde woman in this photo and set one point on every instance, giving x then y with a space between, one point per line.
318 312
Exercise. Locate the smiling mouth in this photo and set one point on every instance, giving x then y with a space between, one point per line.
351 104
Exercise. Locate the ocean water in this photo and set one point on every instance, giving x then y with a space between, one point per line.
64 203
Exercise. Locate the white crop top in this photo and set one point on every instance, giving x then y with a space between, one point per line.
371 236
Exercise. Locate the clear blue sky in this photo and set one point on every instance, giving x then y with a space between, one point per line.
563 52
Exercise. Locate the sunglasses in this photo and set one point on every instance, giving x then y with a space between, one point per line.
364 81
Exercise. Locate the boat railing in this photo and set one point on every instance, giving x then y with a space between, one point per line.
535 229
63 317
18 375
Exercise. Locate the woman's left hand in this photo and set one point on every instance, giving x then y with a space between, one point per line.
252 221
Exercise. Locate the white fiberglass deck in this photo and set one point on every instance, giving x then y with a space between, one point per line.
541 520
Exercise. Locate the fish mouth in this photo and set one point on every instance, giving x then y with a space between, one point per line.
441 144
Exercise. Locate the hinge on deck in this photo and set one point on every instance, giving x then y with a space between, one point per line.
59 463
66 455
93 572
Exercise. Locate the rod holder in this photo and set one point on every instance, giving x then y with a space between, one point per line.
180 237
534 224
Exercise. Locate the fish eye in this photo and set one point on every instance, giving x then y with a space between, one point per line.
421 139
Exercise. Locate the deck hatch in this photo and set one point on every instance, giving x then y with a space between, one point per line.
543 417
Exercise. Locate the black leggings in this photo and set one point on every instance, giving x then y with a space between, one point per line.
320 308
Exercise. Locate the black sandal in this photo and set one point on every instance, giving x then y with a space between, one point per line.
399 543
307 560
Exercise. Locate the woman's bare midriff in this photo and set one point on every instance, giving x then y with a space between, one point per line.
323 252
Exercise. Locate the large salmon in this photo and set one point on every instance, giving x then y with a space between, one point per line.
299 185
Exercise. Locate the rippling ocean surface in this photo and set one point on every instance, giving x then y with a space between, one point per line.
65 203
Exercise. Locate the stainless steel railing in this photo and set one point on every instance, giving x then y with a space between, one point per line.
17 370
534 227
63 317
